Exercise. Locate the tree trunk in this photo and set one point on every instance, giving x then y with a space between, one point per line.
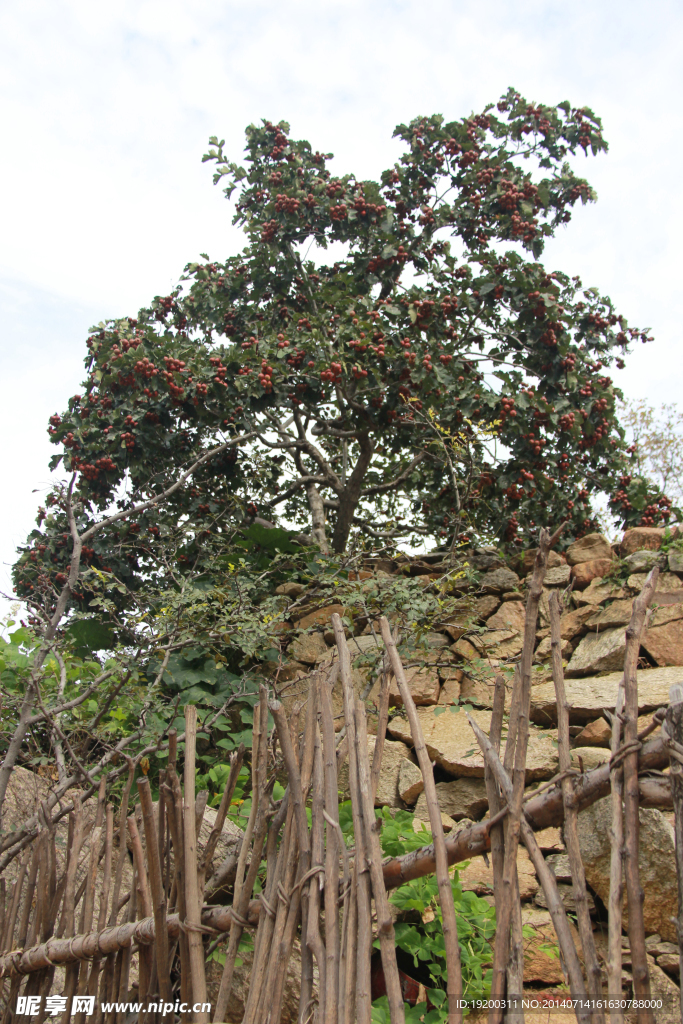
315 503
350 496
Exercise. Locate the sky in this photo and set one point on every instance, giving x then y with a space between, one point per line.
106 110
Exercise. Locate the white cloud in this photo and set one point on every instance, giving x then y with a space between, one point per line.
106 110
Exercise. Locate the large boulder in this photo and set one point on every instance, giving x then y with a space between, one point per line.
649 537
573 624
667 583
675 561
597 592
410 781
598 652
462 798
656 862
588 548
393 754
498 581
423 683
588 696
618 613
309 649
663 641
451 743
585 572
558 577
644 560
320 617
510 615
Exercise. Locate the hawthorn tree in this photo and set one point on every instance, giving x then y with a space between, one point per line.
436 377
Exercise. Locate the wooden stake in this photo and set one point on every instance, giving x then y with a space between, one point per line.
571 826
509 898
332 943
547 880
382 720
673 734
258 816
385 925
192 904
634 891
450 928
616 881
313 936
363 937
157 890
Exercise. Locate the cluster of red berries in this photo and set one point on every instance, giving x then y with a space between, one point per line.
335 188
338 212
145 369
286 204
507 409
174 365
333 374
567 421
265 376
268 230
128 439
364 208
535 443
91 472
296 358
424 310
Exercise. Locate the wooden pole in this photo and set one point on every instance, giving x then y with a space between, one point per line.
385 925
157 890
192 904
634 891
547 880
450 928
363 936
571 825
509 898
332 851
673 737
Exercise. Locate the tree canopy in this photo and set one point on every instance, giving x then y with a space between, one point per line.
434 377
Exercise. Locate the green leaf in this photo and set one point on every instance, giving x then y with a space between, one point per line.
89 635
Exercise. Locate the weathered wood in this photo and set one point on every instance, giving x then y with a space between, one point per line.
385 925
192 901
673 735
509 897
548 882
450 928
634 891
157 890
361 887
541 812
571 827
